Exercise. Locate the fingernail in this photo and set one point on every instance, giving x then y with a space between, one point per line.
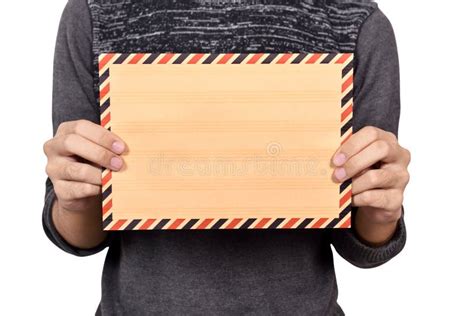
118 147
339 159
116 163
340 174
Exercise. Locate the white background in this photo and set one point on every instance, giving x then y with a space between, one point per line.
432 276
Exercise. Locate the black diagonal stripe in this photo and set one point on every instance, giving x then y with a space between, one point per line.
299 58
247 223
346 127
210 59
346 98
329 58
162 224
104 77
121 59
305 223
219 223
344 185
107 221
347 69
181 58
190 223
104 106
151 58
240 58
333 223
132 224
107 192
276 223
345 211
269 58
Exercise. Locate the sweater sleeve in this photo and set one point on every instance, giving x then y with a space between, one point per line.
376 103
73 96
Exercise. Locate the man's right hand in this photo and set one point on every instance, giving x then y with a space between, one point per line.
75 157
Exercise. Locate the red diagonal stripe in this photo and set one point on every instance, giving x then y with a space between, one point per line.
255 58
314 58
291 222
166 58
345 198
136 59
195 58
105 120
176 223
105 60
107 207
284 58
225 58
106 178
347 138
234 223
104 91
118 224
346 113
205 223
347 84
347 223
147 223
262 222
343 58
319 223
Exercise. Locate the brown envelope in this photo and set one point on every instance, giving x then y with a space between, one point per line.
226 141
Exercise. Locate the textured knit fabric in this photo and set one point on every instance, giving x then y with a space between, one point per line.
227 26
214 272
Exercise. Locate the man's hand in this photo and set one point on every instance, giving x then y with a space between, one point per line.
378 166
75 157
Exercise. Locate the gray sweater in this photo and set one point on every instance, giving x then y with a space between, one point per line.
212 272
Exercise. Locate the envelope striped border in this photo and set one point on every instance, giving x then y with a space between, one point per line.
116 224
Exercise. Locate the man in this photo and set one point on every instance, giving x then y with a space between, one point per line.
217 271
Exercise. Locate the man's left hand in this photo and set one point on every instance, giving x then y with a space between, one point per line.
378 167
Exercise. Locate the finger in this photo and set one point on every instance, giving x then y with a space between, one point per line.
359 141
374 179
377 151
64 169
74 144
94 133
405 157
69 191
390 200
361 173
